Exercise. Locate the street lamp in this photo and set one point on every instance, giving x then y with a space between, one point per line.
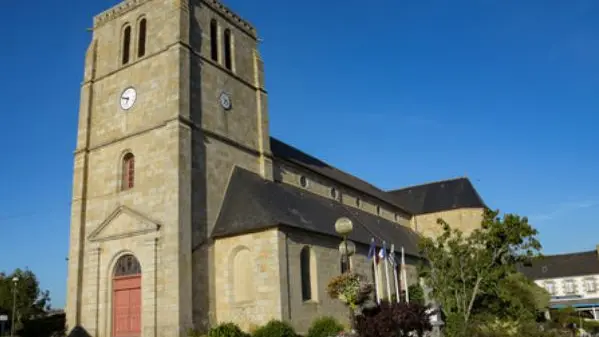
343 227
436 321
15 280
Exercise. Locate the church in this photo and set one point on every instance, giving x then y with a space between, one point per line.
187 213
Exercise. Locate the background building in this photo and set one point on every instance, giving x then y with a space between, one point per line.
571 279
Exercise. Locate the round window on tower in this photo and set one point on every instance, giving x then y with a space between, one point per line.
303 181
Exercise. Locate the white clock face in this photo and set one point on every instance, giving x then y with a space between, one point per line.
225 101
128 98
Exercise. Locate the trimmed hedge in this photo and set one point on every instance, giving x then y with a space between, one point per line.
325 327
275 328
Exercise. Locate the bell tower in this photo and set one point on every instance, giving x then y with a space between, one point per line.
172 100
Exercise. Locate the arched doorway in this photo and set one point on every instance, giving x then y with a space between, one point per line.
126 297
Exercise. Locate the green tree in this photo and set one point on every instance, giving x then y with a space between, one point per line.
31 301
470 275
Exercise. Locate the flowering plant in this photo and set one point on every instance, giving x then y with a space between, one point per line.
351 289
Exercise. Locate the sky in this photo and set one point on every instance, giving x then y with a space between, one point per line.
399 92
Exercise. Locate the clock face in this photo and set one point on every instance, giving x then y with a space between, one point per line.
128 98
225 101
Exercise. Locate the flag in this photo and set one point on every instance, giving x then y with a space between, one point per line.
382 254
392 258
372 249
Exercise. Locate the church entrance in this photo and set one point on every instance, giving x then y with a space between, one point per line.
126 298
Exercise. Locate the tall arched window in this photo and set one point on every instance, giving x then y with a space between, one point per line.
227 42
243 285
128 171
141 41
126 44
308 274
214 40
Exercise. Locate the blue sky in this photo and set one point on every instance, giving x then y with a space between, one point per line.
398 93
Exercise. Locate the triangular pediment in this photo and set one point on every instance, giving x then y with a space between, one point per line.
123 222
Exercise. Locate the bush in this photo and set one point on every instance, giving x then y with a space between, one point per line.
226 330
275 328
325 327
394 320
47 326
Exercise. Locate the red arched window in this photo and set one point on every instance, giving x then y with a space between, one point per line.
128 173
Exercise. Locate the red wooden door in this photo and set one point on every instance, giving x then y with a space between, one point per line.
126 318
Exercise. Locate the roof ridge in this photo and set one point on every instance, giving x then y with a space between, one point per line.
336 169
431 183
571 254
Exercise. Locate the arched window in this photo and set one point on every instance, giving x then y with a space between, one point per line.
128 171
242 272
126 44
141 42
127 265
227 41
308 274
214 40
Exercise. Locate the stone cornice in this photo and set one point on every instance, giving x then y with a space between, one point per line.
224 10
117 11
129 5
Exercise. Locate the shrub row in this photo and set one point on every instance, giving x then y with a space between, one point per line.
322 327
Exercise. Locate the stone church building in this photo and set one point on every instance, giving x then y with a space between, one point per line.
186 212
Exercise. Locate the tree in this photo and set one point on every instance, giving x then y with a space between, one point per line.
465 273
30 300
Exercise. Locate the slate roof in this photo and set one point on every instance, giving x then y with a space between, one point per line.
291 154
564 265
438 196
252 204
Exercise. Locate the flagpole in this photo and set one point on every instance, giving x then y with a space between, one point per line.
403 274
395 281
387 270
376 280
374 266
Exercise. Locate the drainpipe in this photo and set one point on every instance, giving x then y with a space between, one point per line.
288 275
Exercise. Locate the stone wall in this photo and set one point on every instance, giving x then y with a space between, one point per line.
328 265
465 219
291 174
222 139
247 279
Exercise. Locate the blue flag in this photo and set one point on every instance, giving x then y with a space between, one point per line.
372 249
